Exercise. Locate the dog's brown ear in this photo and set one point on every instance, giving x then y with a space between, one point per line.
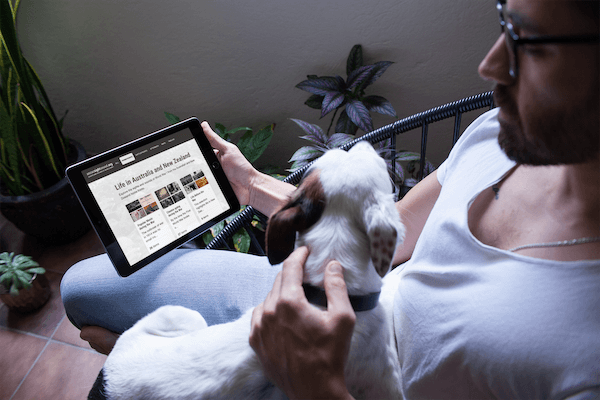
302 211
383 236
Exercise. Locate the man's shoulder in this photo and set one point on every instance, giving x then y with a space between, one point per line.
477 147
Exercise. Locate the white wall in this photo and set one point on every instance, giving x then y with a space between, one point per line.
116 65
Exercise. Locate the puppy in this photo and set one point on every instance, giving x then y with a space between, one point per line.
343 210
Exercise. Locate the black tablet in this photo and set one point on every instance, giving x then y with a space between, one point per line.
149 196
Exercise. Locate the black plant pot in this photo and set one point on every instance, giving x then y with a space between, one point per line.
53 215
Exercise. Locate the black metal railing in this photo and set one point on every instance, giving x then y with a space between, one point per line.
423 120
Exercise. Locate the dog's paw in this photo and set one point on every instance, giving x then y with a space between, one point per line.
172 321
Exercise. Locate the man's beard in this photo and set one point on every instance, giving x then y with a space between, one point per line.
555 138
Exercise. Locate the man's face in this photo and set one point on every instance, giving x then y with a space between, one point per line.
549 113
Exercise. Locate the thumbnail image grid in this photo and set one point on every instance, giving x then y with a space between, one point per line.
169 195
141 207
194 181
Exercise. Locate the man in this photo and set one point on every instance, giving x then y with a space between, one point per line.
549 113
499 296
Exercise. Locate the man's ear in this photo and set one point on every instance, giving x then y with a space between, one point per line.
302 211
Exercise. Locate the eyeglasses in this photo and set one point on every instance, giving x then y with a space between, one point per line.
513 41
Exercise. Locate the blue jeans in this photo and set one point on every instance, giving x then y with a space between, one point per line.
221 285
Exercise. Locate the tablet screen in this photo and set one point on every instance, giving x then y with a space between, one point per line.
156 193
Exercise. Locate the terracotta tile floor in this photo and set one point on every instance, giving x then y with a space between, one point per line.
41 354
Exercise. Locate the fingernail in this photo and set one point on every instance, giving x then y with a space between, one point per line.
336 267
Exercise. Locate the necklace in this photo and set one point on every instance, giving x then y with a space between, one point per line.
571 242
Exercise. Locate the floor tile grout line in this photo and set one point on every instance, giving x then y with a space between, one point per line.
58 326
52 340
30 369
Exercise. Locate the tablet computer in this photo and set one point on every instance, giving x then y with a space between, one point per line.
151 195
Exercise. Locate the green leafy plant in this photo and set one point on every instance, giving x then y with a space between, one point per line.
252 145
333 93
33 150
16 272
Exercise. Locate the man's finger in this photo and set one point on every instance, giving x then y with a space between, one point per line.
335 288
273 295
292 272
215 140
254 339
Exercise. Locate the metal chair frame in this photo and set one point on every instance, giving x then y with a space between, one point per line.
423 120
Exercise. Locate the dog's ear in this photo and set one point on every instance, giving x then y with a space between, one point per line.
383 235
302 211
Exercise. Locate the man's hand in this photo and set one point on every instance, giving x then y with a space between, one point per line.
303 349
240 173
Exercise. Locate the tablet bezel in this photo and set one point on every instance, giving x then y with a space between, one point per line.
99 222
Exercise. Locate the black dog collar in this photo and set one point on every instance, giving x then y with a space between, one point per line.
317 296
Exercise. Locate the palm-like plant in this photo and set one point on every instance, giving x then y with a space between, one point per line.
33 150
333 93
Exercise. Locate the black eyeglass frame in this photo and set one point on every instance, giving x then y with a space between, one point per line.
513 41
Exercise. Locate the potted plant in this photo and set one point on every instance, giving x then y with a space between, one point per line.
333 93
23 285
33 150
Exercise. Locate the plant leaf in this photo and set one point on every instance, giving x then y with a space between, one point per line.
322 85
339 139
239 128
378 69
38 270
331 101
21 261
217 228
315 133
407 156
5 279
234 215
241 241
379 105
345 125
358 113
222 131
315 101
23 276
6 258
49 158
254 145
355 59
173 119
360 75
207 237
11 162
306 154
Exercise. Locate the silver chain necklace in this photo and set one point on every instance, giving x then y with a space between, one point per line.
571 242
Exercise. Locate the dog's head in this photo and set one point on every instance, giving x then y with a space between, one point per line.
344 207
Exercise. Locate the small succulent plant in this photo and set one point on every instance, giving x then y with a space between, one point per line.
17 271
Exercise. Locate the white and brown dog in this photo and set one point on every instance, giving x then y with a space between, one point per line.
343 210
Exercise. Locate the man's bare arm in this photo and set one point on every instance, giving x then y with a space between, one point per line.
414 210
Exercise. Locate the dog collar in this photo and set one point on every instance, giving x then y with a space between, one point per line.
316 296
